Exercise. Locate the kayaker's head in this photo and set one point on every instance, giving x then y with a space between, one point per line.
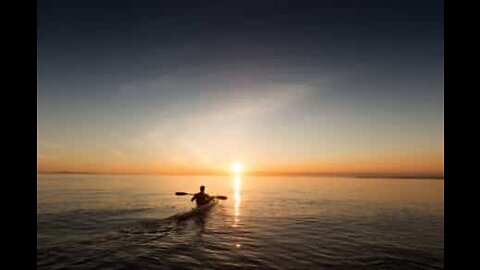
202 188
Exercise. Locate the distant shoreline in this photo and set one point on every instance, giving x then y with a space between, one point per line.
371 176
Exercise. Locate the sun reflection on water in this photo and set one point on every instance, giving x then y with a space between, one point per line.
237 180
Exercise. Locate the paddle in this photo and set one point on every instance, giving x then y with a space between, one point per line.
220 197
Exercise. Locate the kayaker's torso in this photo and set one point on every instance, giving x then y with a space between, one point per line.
201 198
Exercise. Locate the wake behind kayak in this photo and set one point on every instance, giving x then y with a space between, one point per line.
196 212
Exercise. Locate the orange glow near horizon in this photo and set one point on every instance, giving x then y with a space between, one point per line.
286 169
412 163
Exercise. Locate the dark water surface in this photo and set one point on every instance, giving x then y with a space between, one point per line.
120 222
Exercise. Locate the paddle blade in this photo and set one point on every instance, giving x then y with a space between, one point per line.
220 197
181 193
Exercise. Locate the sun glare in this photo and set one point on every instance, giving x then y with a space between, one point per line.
236 168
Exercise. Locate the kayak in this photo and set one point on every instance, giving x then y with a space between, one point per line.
198 211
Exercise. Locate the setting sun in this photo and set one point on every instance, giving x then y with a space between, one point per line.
237 168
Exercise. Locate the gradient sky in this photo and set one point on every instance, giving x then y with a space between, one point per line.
283 87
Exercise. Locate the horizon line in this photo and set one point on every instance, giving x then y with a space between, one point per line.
305 174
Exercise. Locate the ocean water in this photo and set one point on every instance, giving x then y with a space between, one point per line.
121 222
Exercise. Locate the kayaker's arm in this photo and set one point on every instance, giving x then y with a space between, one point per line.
193 197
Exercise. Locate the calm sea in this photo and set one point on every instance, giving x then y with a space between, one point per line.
120 222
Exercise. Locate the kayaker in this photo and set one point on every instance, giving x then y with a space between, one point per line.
201 197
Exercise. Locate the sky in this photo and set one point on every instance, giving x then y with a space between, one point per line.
282 87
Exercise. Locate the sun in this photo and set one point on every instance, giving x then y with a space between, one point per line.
237 167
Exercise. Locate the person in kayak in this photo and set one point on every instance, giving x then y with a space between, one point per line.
201 197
